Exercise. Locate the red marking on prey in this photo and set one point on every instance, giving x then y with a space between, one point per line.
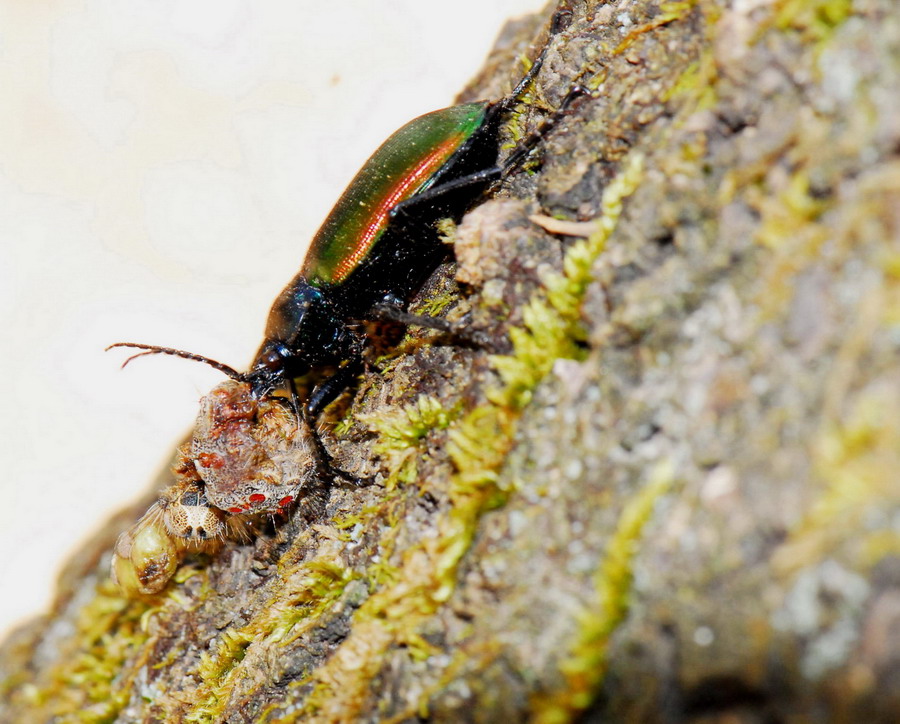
210 460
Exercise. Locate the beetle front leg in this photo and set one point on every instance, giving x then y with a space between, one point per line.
323 464
329 389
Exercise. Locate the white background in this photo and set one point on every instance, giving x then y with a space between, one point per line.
162 165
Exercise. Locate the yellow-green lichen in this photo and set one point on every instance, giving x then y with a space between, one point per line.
585 666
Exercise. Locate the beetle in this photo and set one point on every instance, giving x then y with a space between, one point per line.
375 249
380 242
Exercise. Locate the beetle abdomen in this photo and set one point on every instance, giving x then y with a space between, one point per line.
403 166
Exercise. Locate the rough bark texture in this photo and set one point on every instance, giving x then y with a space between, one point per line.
675 498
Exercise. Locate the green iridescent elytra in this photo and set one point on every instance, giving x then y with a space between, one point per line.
403 166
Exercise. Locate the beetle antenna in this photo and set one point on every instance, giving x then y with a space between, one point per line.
154 349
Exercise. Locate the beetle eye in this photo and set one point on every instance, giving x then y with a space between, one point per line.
274 357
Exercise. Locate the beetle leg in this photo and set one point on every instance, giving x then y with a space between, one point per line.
328 390
487 176
459 332
324 467
525 147
427 197
559 22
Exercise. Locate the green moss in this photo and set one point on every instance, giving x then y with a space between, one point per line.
435 305
516 128
405 428
401 432
366 516
696 86
304 593
585 666
94 676
857 461
815 19
790 213
552 322
790 227
668 12
342 427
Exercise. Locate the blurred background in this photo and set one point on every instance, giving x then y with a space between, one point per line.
163 164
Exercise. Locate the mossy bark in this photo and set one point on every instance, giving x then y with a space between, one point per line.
674 497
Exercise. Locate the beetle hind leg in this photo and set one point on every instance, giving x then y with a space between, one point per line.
457 331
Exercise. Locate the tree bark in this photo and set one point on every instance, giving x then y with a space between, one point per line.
674 496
